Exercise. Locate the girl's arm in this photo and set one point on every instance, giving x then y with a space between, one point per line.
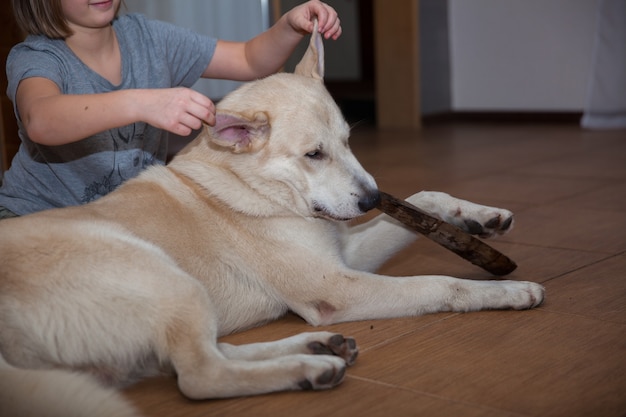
53 118
267 53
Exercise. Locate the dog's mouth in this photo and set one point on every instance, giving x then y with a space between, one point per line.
365 203
319 210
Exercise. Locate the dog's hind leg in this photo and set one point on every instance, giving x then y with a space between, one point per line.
208 370
232 378
316 343
205 371
368 245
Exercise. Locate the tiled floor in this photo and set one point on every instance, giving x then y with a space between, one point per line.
566 358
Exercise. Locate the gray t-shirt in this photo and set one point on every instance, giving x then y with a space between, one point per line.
154 55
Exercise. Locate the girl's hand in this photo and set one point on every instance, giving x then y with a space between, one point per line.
178 110
301 19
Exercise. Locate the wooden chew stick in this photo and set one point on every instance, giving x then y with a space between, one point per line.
447 235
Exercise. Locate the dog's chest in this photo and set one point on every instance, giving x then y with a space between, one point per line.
256 264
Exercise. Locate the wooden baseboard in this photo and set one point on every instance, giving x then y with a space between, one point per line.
504 117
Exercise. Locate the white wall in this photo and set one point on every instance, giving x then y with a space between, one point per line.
520 55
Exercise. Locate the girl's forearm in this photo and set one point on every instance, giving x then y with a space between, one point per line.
59 119
259 57
267 52
62 119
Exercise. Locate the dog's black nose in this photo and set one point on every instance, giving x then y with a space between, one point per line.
369 201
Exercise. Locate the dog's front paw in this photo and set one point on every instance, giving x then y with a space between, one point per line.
497 225
322 372
523 295
476 219
336 345
482 221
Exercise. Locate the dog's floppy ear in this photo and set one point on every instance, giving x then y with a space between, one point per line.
239 132
312 63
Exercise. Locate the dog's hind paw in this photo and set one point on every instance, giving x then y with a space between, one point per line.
336 345
323 372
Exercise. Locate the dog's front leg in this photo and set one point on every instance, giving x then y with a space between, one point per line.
354 296
367 246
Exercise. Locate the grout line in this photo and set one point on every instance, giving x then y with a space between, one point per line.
608 257
565 313
431 395
508 240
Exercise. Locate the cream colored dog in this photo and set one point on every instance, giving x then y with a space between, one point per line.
242 226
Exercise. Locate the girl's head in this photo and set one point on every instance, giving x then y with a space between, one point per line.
44 17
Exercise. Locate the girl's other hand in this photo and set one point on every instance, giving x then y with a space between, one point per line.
301 19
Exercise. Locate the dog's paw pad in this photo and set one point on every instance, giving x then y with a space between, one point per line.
500 223
494 224
323 375
336 345
318 348
507 223
331 377
473 227
305 385
535 294
522 295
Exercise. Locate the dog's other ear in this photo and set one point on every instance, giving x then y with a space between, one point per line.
239 132
312 63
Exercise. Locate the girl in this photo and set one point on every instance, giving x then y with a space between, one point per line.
95 93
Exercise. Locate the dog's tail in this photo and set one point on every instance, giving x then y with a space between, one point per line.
57 393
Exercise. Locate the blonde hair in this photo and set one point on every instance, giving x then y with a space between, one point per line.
43 17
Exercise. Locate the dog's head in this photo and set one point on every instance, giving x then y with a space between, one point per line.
288 141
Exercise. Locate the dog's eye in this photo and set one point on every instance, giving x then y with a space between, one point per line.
316 154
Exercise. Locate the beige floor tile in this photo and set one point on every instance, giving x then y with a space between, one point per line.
597 291
563 226
534 363
608 197
602 163
530 190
